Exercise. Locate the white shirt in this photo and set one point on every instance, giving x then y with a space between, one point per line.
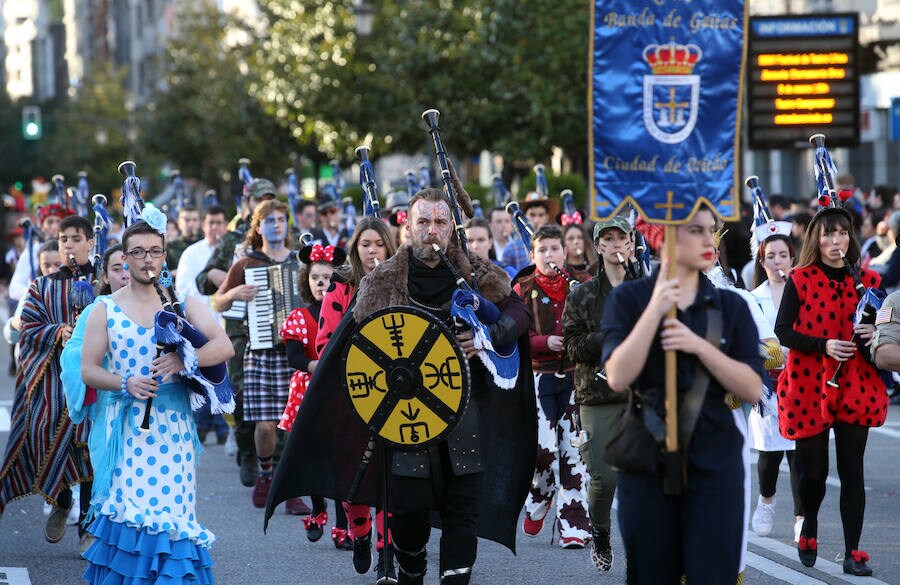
193 260
22 278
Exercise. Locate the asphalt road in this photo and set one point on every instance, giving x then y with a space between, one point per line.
243 554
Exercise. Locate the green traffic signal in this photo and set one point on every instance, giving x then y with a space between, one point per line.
31 122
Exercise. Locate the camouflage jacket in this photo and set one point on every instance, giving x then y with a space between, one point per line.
583 341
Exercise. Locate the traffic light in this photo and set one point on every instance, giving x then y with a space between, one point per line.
31 122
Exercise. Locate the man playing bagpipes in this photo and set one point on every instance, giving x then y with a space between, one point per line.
45 454
477 476
152 360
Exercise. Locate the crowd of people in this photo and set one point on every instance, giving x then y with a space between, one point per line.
110 410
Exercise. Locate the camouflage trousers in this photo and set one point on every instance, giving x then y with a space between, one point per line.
559 470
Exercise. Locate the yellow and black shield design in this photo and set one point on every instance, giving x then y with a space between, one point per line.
406 376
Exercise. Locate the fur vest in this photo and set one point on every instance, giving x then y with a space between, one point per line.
387 286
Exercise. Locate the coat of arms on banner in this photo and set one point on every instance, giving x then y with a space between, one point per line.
672 93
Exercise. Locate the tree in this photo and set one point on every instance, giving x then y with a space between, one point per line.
508 76
204 120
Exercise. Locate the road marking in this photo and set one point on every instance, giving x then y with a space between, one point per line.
833 570
14 576
5 422
779 571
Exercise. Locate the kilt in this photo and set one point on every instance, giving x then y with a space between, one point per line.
267 379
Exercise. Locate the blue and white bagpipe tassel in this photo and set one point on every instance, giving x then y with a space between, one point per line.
412 183
826 172
58 193
472 309
424 177
210 383
132 203
82 195
179 190
210 198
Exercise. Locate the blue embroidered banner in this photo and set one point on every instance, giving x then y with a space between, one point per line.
665 101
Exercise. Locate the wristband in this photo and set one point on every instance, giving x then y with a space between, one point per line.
125 377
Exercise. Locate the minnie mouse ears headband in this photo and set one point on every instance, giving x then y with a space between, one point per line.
319 253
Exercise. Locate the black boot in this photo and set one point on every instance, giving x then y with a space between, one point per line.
601 551
362 553
385 577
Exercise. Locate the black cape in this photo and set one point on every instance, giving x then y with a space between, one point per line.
325 447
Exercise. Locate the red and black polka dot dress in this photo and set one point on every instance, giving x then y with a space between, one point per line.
806 404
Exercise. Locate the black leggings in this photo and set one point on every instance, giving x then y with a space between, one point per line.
812 453
768 468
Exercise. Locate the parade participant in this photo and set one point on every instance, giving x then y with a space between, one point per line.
45 453
774 260
478 233
208 282
115 273
599 407
49 262
477 485
370 245
818 329
667 536
195 256
508 247
306 215
266 371
578 255
299 334
329 231
539 209
189 227
144 497
559 469
49 216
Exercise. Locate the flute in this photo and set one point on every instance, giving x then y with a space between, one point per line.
569 280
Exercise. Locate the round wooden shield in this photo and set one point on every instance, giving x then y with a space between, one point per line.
406 376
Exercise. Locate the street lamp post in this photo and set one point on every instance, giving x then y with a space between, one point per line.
365 18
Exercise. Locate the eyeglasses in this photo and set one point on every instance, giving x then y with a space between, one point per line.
140 253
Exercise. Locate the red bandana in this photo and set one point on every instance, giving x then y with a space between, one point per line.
555 286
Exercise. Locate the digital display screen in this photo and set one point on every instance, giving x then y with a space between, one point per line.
803 78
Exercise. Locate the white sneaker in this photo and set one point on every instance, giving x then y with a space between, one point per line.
75 510
231 447
763 517
798 526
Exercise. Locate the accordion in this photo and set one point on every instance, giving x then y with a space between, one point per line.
277 294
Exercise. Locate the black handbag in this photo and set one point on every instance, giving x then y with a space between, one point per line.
638 437
632 447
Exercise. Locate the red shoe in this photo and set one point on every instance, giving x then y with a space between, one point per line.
296 507
341 539
533 527
807 551
261 489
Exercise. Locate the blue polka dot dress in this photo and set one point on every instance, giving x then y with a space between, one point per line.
145 525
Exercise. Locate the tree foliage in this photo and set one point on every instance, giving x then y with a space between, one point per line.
507 75
203 119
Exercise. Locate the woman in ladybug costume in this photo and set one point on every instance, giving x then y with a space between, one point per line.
299 334
816 322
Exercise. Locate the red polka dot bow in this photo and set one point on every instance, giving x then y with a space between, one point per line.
573 218
321 254
401 218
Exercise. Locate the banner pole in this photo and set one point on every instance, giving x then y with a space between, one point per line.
674 479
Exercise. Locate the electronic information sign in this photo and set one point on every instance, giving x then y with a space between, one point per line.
803 78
